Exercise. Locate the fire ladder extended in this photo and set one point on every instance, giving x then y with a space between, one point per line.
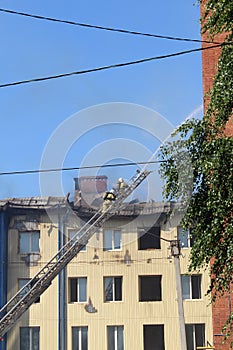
27 295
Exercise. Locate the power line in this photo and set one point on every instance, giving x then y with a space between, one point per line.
118 30
36 171
117 65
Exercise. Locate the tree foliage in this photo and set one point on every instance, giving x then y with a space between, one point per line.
209 184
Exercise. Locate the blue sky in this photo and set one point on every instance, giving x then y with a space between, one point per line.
32 48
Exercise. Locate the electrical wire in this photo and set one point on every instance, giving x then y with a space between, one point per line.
117 65
118 30
35 171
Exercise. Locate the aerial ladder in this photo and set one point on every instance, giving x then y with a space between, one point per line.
27 295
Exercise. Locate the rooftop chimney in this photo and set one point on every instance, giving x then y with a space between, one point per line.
89 190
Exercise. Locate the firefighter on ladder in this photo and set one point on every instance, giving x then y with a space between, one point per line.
108 197
121 185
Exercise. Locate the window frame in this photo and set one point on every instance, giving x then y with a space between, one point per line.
182 235
78 286
118 330
142 288
26 281
191 285
30 235
31 345
194 341
80 339
114 290
113 245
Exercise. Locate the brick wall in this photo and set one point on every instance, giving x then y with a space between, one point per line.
223 306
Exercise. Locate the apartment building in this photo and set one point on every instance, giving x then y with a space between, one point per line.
118 293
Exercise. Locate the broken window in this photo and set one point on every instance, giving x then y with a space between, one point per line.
150 288
80 338
185 237
78 289
29 338
29 242
115 337
195 335
112 239
149 238
191 286
153 337
112 289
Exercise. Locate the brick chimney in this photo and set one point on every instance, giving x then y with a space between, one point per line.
89 190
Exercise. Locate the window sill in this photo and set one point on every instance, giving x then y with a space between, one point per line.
31 259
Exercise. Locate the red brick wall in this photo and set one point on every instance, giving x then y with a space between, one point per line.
209 67
222 308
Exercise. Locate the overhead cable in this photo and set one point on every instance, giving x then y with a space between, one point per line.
117 65
118 30
36 171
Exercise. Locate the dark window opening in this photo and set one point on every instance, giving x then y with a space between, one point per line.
150 288
153 337
149 238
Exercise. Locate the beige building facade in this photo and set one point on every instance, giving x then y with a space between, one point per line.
118 293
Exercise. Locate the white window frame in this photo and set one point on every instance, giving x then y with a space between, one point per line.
113 278
80 330
30 234
194 334
31 346
116 330
78 289
185 234
190 282
113 233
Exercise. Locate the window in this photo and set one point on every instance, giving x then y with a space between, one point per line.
186 240
112 239
78 289
112 289
115 337
79 338
71 235
150 288
191 286
153 337
29 242
29 338
149 238
195 335
21 283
